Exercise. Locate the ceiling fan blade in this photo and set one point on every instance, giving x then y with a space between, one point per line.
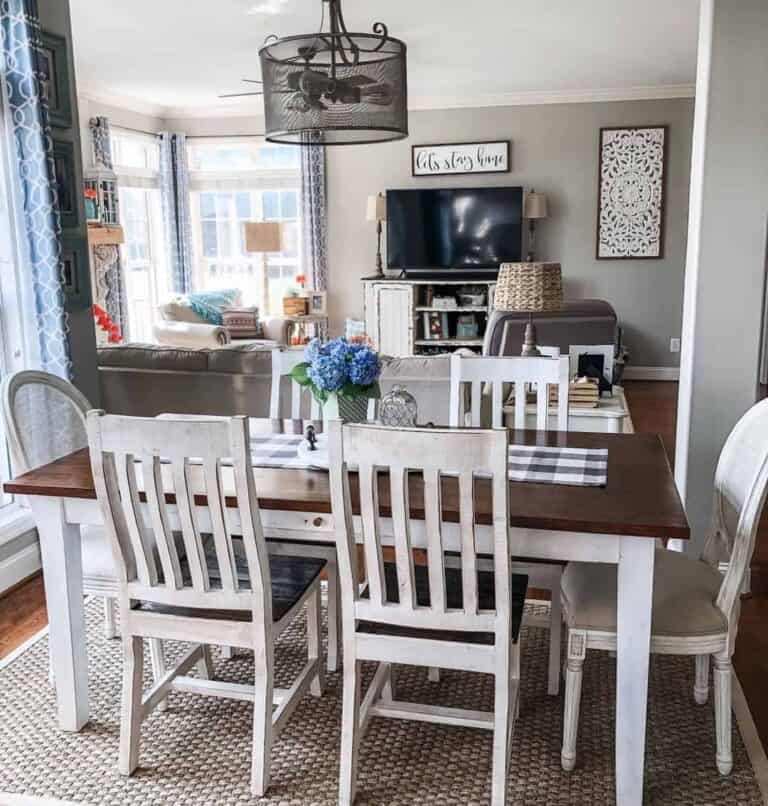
239 94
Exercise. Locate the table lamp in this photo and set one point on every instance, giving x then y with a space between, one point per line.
264 237
377 211
534 209
529 288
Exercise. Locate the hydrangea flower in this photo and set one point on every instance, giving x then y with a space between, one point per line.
328 372
364 367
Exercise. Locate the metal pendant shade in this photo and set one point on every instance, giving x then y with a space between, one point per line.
335 87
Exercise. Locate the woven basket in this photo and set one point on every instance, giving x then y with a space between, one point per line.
529 287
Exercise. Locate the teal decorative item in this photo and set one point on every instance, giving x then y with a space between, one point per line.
209 305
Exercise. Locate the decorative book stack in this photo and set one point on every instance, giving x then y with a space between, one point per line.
583 393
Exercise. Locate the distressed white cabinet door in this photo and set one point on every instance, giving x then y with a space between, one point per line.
393 319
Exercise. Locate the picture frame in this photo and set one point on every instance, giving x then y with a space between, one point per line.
318 303
453 159
435 325
607 351
53 65
631 192
74 271
66 186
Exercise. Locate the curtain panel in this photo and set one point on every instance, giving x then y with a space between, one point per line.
174 191
313 214
34 183
107 258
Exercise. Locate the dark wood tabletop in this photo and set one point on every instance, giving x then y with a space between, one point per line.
640 498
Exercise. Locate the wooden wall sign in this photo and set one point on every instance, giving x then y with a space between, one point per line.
448 159
632 175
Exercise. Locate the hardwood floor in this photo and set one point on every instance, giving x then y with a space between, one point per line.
653 406
22 614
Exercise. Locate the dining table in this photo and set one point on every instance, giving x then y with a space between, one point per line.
620 523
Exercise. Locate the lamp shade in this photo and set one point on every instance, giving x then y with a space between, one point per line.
263 236
535 205
529 287
377 208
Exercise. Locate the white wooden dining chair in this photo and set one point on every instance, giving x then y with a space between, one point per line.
491 376
226 588
695 607
283 362
44 420
434 615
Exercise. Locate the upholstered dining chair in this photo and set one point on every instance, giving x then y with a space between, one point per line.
44 420
488 378
224 588
695 607
435 615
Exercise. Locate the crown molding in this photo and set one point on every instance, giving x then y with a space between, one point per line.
248 109
543 97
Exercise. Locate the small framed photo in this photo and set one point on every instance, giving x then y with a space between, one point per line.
64 165
54 75
318 303
601 355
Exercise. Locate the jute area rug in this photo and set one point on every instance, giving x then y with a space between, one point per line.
198 752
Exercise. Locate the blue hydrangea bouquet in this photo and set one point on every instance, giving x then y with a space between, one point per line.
337 372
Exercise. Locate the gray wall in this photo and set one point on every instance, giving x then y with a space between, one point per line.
554 150
54 17
727 257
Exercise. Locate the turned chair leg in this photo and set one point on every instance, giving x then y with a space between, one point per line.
701 686
110 630
722 677
350 728
577 642
314 642
130 722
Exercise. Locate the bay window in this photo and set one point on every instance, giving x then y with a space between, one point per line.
233 182
136 159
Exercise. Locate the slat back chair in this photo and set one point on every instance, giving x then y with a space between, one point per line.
283 362
497 372
424 616
44 420
696 608
154 477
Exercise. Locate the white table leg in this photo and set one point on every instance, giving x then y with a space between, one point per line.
633 641
61 552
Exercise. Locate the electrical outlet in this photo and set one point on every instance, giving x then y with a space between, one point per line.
674 345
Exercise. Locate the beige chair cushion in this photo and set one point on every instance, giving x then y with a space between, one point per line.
684 593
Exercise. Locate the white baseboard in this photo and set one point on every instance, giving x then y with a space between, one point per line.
652 373
19 566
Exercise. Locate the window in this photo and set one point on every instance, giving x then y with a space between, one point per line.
136 159
234 182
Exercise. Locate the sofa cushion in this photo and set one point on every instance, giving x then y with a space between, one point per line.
178 310
153 357
245 359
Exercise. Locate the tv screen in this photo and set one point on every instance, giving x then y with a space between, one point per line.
461 229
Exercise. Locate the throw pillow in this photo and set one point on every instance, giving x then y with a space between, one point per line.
242 323
209 305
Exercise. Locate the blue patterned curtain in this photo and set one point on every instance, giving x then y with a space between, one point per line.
108 256
313 214
174 189
35 178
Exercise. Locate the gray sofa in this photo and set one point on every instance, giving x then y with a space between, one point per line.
148 379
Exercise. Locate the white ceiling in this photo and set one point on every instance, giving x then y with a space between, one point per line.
174 57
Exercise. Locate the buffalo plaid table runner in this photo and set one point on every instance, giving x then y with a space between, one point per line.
581 467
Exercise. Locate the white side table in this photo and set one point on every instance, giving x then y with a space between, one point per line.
611 415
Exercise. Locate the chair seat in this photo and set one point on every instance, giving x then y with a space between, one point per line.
291 578
684 594
453 592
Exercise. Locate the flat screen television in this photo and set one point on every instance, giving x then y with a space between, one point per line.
456 230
